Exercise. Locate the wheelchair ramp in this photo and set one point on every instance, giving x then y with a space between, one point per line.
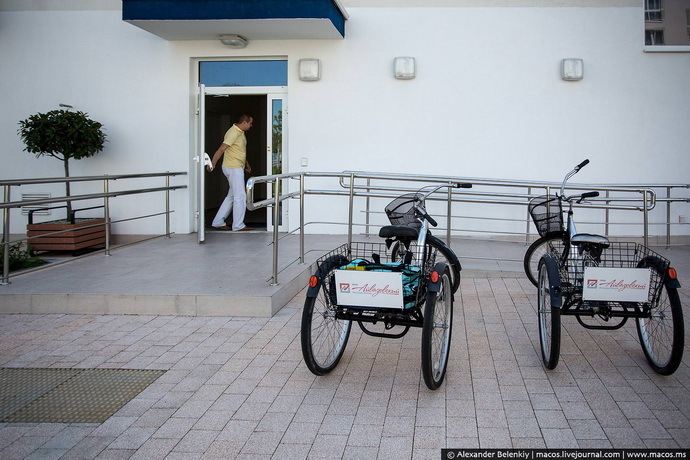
228 275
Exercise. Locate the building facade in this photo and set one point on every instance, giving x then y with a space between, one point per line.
488 98
667 22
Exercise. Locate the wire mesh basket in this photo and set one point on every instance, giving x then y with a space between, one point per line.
618 255
379 254
401 211
546 214
358 251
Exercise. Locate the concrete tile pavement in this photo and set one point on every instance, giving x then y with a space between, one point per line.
237 387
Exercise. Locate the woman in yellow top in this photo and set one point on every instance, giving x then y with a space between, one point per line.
234 149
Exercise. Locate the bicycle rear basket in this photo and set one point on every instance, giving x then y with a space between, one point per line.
618 255
546 214
401 210
375 256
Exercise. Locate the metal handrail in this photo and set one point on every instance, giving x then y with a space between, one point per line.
645 202
53 180
7 205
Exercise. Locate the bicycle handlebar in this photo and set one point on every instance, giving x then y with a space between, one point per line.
572 173
580 197
581 165
422 212
451 185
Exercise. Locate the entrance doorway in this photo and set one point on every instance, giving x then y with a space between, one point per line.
221 112
226 90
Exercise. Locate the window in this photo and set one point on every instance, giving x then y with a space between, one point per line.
653 37
653 10
243 73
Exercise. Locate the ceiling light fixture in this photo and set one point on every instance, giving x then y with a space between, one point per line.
233 41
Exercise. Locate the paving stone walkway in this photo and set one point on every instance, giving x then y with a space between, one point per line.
238 388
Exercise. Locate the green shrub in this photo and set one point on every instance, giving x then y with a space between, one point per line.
20 257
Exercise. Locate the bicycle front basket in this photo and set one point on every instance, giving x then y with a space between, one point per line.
401 210
546 214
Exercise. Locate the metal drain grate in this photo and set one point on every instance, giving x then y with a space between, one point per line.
68 395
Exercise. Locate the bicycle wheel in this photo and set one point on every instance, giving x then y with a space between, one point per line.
549 320
323 336
443 254
544 245
662 334
436 332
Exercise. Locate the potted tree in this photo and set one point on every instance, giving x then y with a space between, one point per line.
64 135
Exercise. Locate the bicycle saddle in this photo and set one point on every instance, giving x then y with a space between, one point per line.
390 231
587 238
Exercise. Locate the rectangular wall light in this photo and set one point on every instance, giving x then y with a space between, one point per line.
309 69
404 67
572 69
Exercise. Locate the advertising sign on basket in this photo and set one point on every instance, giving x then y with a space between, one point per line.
369 288
616 284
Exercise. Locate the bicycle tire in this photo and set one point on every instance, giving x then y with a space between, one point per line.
323 336
549 318
437 332
544 245
661 337
446 252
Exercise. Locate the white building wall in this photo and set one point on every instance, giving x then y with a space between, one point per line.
488 100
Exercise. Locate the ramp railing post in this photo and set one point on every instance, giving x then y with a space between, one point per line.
301 219
350 210
276 221
645 212
106 214
6 240
167 204
448 216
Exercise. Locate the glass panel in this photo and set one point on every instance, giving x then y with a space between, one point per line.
243 73
652 10
277 136
277 147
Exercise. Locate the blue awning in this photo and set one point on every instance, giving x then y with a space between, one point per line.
252 19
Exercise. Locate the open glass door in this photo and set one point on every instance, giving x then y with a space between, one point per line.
275 150
200 167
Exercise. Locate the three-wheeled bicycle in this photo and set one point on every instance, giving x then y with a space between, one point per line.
408 281
597 281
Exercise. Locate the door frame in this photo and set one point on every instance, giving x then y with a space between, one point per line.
198 158
271 93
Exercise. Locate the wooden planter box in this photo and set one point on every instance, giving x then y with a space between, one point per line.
75 239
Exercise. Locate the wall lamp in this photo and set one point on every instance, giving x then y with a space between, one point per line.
404 67
309 69
572 69
233 41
